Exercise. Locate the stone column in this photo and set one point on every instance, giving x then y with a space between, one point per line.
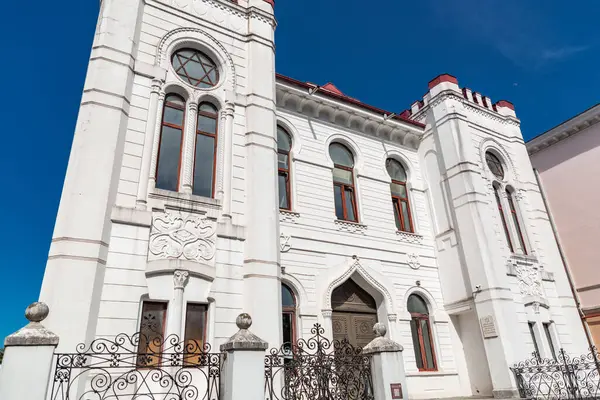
244 369
175 313
142 194
225 189
27 363
186 174
387 366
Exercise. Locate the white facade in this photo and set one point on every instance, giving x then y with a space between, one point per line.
120 241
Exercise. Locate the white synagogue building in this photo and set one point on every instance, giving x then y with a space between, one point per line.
201 184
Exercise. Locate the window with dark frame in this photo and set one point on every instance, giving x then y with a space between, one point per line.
170 143
400 202
503 217
288 315
195 68
195 332
152 328
495 165
533 338
421 333
515 218
205 151
343 183
284 145
549 338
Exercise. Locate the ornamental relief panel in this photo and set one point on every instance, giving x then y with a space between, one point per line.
182 235
211 10
529 277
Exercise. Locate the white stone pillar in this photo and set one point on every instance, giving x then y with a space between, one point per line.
175 313
156 140
244 369
27 363
387 366
225 189
142 194
186 173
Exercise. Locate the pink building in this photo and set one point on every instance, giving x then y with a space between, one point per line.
567 161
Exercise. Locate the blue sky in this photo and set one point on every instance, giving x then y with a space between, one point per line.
541 55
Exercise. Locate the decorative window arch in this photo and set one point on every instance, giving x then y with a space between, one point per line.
170 143
497 189
344 191
422 336
284 146
399 190
288 315
515 218
205 150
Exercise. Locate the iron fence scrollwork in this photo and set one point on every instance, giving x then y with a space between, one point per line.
565 377
138 367
318 369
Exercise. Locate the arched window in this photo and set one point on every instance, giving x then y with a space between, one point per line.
205 153
169 148
503 217
288 307
343 182
494 164
515 218
399 195
421 333
284 145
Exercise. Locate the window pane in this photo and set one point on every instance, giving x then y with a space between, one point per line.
406 216
396 215
207 124
494 165
399 190
288 330
287 297
282 160
349 195
416 343
427 344
168 159
339 209
532 333
175 99
151 333
342 176
283 195
173 116
203 166
503 219
283 140
417 305
395 170
549 338
207 108
195 331
341 155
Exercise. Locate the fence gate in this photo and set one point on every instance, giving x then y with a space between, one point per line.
138 367
565 377
318 369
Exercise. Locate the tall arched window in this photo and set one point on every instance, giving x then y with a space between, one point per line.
205 153
284 145
503 217
421 333
343 182
288 307
515 218
399 195
169 148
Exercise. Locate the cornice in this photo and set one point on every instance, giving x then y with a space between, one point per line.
570 127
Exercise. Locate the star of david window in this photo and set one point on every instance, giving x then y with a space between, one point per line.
195 68
495 165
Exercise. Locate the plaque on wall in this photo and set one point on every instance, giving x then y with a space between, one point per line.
396 390
488 327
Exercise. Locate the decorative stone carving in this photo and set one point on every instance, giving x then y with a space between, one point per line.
288 216
409 237
179 278
183 236
284 243
413 261
352 227
529 275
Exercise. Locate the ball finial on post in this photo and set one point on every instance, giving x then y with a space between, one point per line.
243 321
37 312
379 329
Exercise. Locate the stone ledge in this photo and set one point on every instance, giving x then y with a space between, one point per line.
131 216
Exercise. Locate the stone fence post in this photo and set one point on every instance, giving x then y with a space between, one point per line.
27 362
387 366
244 368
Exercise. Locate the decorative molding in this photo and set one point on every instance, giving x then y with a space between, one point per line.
409 237
284 243
528 274
180 235
351 227
288 216
413 261
180 278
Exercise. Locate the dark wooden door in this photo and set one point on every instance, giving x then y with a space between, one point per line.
354 314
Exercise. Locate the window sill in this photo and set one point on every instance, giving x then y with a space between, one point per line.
186 201
288 216
409 237
349 226
431 373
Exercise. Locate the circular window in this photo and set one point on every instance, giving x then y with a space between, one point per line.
195 68
494 165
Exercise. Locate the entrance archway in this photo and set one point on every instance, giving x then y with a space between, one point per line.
354 314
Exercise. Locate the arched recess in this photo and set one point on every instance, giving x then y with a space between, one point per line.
491 144
436 313
201 40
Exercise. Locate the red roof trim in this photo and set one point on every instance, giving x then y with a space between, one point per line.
271 2
442 78
504 103
349 100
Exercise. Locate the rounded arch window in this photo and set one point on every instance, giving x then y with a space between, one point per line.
288 314
396 170
421 333
400 201
340 155
343 182
195 68
494 164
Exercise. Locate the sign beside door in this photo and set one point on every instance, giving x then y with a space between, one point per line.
396 390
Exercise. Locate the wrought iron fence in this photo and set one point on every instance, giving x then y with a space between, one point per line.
318 369
565 377
138 367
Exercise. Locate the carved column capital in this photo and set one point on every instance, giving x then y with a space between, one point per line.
157 85
192 106
180 278
229 109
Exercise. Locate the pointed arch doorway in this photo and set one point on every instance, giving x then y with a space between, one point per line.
354 314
